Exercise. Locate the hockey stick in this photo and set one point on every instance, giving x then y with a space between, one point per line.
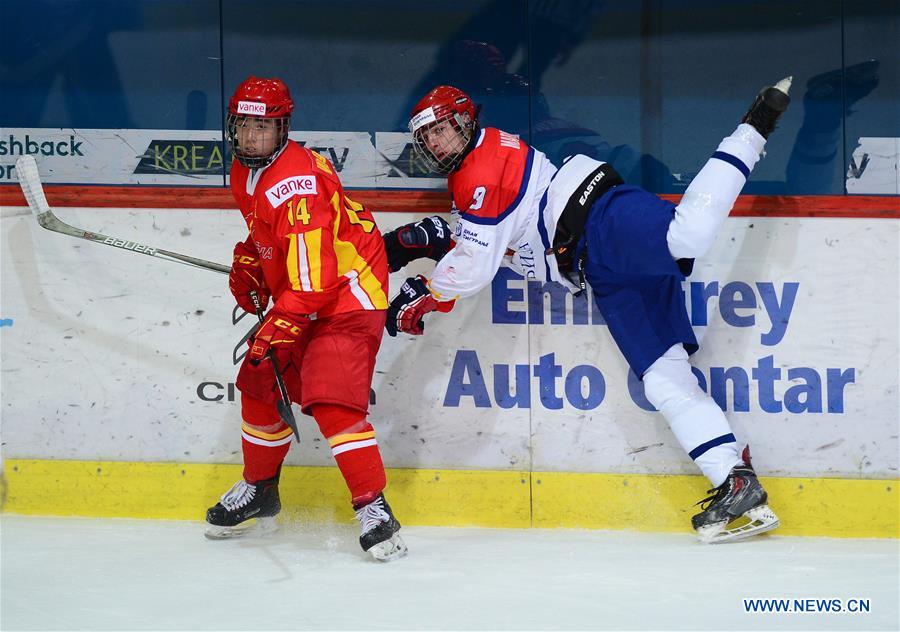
30 182
283 404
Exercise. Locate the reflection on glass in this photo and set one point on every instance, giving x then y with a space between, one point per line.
828 100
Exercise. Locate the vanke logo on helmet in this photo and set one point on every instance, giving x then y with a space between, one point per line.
254 108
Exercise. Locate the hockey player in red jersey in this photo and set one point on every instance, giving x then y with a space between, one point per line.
320 258
579 225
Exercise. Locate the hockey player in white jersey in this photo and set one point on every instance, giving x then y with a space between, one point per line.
582 225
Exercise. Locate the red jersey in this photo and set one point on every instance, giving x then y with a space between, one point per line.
497 192
321 253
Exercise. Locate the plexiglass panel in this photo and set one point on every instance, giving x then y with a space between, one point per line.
148 64
651 86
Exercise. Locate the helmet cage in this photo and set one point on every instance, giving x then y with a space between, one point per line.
452 131
279 128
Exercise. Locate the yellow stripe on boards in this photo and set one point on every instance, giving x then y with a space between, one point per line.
182 491
485 498
806 506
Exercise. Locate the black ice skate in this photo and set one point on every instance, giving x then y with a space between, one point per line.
379 530
769 105
737 508
241 503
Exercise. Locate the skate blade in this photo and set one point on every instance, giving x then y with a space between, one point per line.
262 527
785 84
755 521
389 550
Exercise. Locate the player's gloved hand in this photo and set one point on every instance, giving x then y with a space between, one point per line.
278 331
410 305
246 276
429 237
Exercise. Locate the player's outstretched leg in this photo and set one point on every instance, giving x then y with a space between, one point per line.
737 509
767 108
379 530
242 502
711 195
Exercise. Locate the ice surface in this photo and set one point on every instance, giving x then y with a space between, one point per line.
86 574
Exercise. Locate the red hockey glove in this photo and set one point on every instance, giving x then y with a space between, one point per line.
246 276
429 237
278 331
410 305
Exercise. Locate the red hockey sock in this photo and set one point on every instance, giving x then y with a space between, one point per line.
264 451
352 441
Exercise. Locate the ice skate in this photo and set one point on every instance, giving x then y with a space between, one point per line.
737 508
241 503
379 530
769 105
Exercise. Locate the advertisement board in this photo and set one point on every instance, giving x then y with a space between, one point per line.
115 356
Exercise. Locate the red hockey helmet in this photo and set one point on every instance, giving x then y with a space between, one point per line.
443 125
259 119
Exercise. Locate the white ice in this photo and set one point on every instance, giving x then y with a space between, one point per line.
87 574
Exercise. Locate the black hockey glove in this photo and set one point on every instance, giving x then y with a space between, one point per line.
429 237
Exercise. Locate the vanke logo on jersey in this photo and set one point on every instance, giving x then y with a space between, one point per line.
289 187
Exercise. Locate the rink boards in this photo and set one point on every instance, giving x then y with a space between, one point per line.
515 409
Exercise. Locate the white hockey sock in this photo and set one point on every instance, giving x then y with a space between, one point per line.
711 194
704 433
696 420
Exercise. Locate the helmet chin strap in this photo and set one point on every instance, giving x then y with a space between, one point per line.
271 158
469 127
470 143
